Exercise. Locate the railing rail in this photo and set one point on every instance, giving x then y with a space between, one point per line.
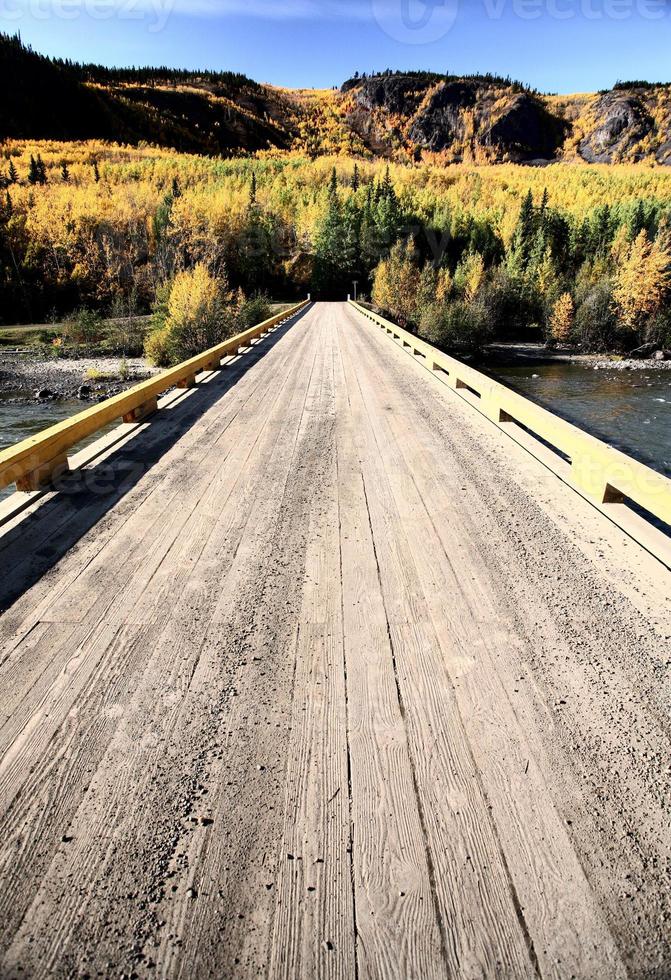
599 472
35 461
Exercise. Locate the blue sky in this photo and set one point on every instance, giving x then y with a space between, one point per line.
556 45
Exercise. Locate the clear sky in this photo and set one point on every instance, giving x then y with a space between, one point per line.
556 45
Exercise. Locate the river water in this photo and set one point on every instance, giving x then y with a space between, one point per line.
18 421
631 410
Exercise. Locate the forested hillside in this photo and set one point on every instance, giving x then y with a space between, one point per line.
409 116
464 254
203 112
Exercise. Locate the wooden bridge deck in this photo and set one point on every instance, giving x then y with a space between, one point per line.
319 675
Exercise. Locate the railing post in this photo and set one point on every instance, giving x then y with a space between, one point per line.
43 474
142 411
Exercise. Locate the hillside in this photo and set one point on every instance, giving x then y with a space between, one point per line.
492 120
208 112
401 116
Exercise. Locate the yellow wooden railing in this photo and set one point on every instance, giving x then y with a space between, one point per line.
35 461
601 473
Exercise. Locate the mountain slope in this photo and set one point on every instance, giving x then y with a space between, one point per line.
488 119
205 113
411 115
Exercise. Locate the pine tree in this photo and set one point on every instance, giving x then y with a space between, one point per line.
13 175
65 173
41 170
601 237
333 183
637 221
387 188
355 178
526 226
96 172
252 191
175 189
33 171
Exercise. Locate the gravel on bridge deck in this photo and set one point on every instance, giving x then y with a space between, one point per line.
322 676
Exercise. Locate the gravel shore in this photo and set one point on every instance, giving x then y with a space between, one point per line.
539 354
24 378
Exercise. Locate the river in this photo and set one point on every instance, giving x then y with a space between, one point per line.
628 409
20 420
631 410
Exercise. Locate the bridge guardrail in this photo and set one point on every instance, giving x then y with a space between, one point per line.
599 472
35 461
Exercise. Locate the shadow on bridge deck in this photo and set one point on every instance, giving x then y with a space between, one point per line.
38 538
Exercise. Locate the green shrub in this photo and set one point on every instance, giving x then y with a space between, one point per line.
84 327
252 311
595 326
459 325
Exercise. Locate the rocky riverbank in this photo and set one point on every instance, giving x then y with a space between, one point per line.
537 354
26 378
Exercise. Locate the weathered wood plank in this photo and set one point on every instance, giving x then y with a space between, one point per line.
398 931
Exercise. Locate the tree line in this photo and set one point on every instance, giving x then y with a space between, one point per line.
462 254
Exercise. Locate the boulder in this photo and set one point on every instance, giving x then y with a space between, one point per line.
44 395
662 355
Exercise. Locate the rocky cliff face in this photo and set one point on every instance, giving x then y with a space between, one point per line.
621 122
489 119
404 115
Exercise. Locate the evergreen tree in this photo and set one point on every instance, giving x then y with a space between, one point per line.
637 222
13 175
252 191
601 237
336 247
96 172
41 170
333 183
175 189
65 173
355 178
523 239
33 171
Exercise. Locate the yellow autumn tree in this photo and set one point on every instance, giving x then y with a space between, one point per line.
470 275
395 283
196 317
643 280
561 318
443 285
547 280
